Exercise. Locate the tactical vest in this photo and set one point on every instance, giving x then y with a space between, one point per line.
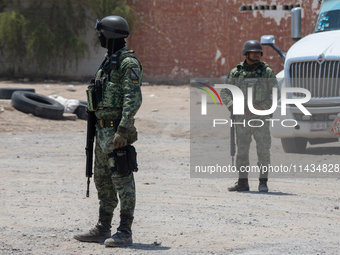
254 79
111 85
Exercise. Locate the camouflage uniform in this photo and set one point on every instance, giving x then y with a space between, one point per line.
262 95
120 102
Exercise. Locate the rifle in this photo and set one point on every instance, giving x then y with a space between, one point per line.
91 131
232 139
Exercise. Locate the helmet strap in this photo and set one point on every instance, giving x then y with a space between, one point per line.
114 58
113 45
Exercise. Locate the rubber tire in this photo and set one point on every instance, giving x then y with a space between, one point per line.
294 145
80 111
6 93
38 105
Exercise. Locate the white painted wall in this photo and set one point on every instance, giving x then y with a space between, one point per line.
88 66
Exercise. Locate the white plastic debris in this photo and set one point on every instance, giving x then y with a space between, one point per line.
70 105
71 88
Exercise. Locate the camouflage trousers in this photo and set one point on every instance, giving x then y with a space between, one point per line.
111 186
244 136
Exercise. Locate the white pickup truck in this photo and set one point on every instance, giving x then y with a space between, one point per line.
312 63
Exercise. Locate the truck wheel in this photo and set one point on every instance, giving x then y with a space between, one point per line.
38 105
294 145
6 93
80 110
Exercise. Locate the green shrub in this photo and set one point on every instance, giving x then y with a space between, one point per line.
50 34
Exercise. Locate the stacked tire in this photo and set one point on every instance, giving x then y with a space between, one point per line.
81 110
6 93
27 101
38 105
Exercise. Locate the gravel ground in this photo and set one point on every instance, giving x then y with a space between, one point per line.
43 185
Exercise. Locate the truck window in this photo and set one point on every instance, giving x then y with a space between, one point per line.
329 16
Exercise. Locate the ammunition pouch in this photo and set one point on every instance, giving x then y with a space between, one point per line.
260 88
125 160
94 94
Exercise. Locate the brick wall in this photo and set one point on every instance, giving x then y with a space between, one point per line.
180 39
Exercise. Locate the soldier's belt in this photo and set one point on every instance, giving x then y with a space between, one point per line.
108 123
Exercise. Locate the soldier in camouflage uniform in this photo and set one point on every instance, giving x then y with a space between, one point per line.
120 76
258 75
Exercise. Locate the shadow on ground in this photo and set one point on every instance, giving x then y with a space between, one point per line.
323 151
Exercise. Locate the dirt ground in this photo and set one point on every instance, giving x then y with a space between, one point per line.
43 184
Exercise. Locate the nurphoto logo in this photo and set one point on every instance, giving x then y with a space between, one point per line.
204 97
239 99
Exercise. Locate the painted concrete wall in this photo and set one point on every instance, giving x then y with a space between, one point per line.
89 65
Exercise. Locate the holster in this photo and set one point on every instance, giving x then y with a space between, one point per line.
125 160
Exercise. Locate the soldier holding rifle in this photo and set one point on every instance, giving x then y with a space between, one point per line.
256 74
114 97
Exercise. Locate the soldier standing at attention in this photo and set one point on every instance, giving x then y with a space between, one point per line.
115 97
256 74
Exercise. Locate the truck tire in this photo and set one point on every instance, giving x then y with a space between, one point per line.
80 110
294 145
6 93
38 105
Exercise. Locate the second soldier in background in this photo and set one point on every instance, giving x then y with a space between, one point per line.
256 74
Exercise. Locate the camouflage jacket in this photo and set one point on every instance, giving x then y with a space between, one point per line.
121 89
260 77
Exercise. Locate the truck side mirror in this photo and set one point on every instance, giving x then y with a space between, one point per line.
269 40
296 24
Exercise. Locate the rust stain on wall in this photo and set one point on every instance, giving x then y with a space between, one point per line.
177 40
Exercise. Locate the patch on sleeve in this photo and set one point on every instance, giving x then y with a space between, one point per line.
134 74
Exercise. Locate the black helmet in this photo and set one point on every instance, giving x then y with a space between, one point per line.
113 27
252 45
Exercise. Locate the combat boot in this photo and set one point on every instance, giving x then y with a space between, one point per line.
100 232
123 237
263 185
240 185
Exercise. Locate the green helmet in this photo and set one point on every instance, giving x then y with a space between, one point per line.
252 45
113 27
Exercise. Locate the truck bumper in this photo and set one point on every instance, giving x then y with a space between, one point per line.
303 128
